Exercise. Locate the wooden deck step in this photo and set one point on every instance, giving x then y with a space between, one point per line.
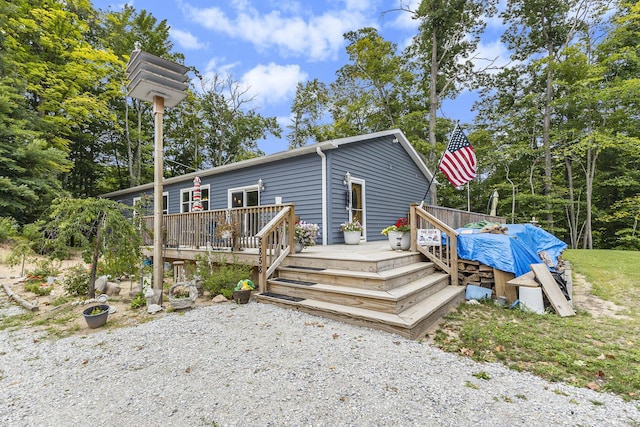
338 262
411 323
392 301
384 280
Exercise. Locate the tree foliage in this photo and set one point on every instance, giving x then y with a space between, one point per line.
102 228
556 132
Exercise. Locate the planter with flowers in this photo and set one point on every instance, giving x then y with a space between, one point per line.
352 232
305 235
399 235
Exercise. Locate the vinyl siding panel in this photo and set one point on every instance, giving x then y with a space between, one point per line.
392 182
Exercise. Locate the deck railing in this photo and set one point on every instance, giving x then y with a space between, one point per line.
276 242
427 238
223 228
455 218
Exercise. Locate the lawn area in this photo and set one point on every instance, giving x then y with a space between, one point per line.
601 351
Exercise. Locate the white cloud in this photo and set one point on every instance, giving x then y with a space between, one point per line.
404 20
185 39
494 51
317 37
273 83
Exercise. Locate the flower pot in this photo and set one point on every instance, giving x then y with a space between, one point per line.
179 303
298 247
241 297
399 241
96 320
352 237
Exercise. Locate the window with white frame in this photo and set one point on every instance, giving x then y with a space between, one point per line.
146 204
186 198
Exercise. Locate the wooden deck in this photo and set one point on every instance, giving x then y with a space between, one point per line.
368 284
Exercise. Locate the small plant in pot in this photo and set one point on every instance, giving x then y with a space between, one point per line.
183 295
242 291
352 231
96 316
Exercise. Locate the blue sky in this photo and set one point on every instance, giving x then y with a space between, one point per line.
270 45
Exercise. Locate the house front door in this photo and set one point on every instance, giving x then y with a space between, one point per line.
357 201
244 198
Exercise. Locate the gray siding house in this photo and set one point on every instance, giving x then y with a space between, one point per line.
372 178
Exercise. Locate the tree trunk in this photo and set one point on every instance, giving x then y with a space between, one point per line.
94 257
433 108
571 210
590 172
548 99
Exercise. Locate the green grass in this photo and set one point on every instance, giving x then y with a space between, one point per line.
597 352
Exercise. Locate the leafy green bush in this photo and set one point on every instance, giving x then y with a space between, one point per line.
8 228
219 275
38 287
138 301
76 280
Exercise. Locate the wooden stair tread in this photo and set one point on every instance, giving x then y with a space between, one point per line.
405 319
390 295
383 275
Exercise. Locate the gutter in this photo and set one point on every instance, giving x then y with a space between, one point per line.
324 194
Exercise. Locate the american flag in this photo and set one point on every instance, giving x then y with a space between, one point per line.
459 161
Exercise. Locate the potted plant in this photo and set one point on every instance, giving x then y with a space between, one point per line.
352 232
242 291
96 315
183 295
398 234
305 235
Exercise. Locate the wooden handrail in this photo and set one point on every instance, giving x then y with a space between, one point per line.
444 254
208 229
276 240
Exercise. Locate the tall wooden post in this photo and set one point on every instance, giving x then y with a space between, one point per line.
158 261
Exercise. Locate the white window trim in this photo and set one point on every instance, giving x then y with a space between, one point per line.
190 191
164 194
230 191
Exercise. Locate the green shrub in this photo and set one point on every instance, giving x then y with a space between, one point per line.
76 280
44 269
219 275
38 287
138 301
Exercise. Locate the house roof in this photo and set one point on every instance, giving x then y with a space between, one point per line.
296 152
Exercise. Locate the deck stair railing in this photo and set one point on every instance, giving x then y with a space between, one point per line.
434 239
276 242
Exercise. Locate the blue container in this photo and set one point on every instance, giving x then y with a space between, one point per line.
477 292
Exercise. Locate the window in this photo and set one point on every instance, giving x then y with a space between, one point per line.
146 203
243 197
186 199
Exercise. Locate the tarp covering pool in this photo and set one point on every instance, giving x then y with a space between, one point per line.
512 252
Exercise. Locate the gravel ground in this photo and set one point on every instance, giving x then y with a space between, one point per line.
261 365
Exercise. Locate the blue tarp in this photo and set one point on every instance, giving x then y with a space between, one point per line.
512 252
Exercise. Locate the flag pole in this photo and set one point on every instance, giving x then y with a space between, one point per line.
433 175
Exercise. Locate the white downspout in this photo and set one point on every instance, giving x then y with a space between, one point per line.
324 195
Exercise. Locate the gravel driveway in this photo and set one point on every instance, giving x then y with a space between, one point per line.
261 365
